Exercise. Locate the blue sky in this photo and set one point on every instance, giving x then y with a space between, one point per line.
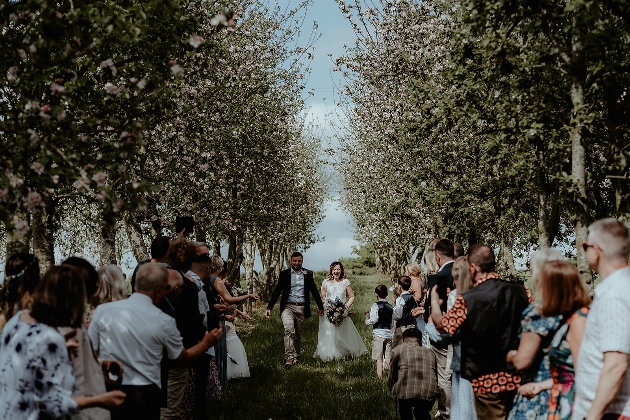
335 30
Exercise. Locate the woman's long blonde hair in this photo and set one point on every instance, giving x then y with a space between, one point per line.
111 285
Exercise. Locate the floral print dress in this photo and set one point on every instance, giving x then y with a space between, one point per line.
536 408
37 380
562 395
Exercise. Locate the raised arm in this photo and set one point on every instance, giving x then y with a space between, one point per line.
222 291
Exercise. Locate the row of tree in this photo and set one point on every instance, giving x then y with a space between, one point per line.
484 121
117 117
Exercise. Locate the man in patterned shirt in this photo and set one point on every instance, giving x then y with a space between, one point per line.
487 318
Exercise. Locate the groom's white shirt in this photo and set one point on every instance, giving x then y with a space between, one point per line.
379 332
296 294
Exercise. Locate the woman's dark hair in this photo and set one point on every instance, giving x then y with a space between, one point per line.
332 266
224 270
88 272
181 255
21 276
59 299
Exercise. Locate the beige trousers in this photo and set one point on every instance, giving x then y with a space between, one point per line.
293 321
177 379
444 382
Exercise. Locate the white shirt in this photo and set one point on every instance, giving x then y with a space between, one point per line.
135 332
400 303
296 294
373 319
607 329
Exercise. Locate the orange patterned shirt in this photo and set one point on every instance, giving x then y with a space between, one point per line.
494 382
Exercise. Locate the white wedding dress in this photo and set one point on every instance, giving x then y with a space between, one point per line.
343 340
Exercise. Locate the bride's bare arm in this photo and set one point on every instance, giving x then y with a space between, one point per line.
350 293
323 293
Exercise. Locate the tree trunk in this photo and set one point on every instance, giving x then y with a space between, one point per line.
248 263
134 235
578 163
235 258
108 242
43 236
18 240
506 267
216 248
269 256
548 219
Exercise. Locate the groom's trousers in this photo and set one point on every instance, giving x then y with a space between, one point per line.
293 321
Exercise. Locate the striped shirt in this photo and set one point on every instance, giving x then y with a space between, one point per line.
607 329
412 372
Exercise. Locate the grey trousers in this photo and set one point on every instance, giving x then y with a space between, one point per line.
293 321
444 382
177 379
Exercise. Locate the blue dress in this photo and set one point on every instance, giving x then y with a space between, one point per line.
536 408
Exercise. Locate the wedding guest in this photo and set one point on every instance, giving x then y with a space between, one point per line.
237 366
462 398
402 310
181 256
135 332
444 253
413 378
416 289
489 330
21 276
86 368
381 317
90 275
603 385
111 287
37 377
532 355
159 248
218 283
563 293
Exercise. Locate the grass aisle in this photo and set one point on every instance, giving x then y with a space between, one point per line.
313 389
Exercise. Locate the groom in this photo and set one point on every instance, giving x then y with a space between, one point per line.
295 284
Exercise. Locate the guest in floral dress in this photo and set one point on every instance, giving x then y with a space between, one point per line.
532 355
37 378
562 293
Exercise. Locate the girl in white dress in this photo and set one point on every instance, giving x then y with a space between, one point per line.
343 340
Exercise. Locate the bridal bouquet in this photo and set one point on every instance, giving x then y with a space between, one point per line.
336 311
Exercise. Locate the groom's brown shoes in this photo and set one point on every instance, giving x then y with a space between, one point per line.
288 364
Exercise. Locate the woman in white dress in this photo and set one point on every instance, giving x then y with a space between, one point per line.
342 340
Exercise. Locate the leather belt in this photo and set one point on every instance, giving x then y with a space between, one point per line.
296 303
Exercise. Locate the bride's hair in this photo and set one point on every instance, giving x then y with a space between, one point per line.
333 265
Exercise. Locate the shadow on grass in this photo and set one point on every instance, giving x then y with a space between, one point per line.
346 389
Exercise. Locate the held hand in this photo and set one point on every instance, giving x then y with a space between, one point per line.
212 337
113 399
320 312
220 307
229 318
267 314
529 390
417 311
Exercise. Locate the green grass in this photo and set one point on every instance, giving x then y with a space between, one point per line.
313 389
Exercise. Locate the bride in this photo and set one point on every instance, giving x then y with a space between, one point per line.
342 340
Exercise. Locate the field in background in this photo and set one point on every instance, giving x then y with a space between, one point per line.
313 389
